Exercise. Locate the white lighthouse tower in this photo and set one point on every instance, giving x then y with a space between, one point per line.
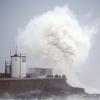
18 65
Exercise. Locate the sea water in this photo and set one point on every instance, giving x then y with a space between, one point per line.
37 96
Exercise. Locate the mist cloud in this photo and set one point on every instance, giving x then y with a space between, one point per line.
56 40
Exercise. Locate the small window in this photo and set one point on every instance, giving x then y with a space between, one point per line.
23 59
15 59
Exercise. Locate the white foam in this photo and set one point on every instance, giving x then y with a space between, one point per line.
55 39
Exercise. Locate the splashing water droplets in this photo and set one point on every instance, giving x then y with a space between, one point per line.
56 40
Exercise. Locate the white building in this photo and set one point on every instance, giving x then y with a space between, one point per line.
18 66
7 67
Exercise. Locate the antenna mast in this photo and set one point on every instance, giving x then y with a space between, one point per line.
16 50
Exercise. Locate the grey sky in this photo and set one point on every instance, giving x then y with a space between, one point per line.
15 14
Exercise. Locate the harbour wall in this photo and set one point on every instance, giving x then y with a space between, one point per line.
14 85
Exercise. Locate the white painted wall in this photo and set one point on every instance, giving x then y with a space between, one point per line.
18 67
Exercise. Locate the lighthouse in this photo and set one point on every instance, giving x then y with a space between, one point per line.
18 65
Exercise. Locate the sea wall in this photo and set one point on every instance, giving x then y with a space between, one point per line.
14 85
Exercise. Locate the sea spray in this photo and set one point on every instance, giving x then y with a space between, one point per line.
56 40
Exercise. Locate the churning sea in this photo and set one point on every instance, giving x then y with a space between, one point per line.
31 96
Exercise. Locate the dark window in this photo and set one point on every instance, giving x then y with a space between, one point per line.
15 59
23 59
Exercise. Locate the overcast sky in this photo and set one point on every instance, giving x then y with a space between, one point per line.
15 14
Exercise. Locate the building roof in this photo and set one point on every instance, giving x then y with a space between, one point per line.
18 55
